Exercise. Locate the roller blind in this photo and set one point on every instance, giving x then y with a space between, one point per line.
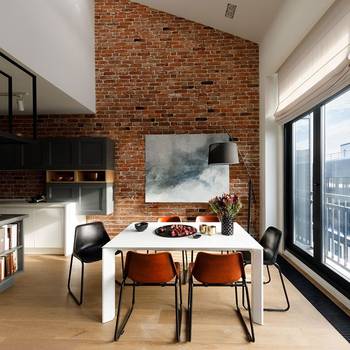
318 67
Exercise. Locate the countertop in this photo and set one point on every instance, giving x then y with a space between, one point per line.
10 218
18 203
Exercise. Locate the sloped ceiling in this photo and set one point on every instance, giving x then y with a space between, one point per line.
251 21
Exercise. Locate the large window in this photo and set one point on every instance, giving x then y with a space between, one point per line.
317 189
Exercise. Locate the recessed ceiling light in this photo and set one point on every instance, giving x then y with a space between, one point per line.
230 10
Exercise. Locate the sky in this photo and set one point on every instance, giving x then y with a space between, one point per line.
336 125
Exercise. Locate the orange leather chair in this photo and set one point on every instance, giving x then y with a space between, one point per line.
207 218
219 271
150 270
169 219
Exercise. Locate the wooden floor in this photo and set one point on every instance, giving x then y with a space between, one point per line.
37 313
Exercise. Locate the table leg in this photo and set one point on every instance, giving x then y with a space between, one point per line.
108 284
257 286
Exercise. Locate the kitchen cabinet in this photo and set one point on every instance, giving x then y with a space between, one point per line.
11 156
94 153
91 198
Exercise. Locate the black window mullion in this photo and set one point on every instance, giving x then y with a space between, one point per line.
288 184
317 185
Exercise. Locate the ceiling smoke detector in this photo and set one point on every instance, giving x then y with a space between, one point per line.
230 10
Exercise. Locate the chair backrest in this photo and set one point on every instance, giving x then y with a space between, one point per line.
207 218
169 219
218 269
270 241
92 233
149 268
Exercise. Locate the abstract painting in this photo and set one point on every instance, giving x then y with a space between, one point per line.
177 168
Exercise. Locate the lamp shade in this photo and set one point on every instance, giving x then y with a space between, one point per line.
223 153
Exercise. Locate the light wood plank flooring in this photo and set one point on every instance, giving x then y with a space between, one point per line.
37 313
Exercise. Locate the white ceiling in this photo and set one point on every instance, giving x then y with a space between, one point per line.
51 100
251 20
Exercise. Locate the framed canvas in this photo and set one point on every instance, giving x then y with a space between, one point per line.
177 168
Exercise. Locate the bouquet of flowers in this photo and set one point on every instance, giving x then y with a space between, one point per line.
227 205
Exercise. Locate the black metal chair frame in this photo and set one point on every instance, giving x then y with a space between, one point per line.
250 334
119 330
80 300
267 282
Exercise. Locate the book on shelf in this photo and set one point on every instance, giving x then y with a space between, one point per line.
2 239
14 262
12 232
2 268
8 237
10 264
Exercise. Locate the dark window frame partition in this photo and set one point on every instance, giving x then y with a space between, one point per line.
313 262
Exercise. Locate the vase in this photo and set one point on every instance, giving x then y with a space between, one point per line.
227 225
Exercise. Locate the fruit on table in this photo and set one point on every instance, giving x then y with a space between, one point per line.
179 230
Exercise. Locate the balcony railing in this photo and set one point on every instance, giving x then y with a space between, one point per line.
336 224
337 232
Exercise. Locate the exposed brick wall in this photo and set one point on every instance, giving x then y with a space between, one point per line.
158 74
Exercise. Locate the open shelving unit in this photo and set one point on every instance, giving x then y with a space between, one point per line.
18 249
79 176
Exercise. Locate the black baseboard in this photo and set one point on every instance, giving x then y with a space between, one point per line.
335 315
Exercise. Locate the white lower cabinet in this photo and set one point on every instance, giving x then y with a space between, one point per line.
49 227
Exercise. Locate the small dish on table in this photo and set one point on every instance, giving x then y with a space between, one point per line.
141 226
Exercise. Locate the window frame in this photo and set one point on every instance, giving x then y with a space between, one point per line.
314 262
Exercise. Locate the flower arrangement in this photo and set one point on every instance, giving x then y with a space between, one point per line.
227 205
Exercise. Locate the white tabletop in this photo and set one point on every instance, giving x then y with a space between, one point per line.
129 238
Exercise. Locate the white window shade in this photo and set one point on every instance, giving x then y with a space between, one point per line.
318 67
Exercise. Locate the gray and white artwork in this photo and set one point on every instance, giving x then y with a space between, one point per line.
177 168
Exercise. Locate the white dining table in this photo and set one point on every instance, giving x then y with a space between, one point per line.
130 239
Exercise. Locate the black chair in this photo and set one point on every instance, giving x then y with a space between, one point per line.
88 242
270 241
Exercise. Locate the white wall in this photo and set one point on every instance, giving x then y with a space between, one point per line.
55 39
293 21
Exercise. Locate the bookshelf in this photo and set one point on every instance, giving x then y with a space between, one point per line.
11 249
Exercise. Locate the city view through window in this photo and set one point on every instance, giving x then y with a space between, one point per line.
335 163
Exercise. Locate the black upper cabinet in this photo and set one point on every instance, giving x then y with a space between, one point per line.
60 153
33 156
11 156
94 153
86 153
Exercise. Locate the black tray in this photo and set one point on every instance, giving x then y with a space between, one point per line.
167 231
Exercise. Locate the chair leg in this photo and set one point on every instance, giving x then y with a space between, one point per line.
178 313
180 289
122 261
189 309
191 256
119 331
250 335
285 293
184 266
268 274
80 301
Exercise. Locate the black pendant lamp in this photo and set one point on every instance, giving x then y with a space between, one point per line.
227 153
